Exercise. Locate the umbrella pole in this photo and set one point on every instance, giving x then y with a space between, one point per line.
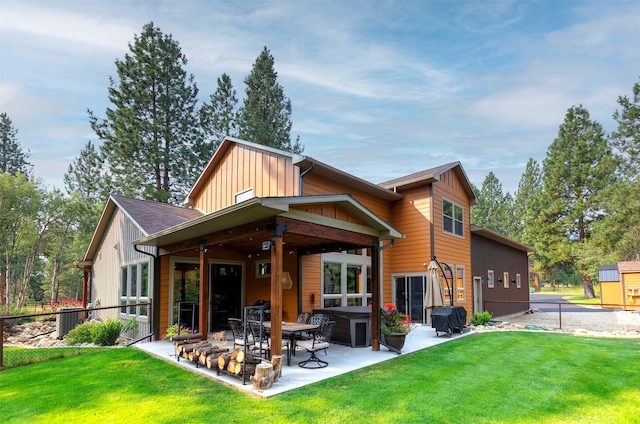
433 258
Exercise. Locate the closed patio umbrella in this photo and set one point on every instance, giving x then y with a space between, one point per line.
434 297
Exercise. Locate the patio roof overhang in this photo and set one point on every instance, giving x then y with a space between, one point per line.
244 226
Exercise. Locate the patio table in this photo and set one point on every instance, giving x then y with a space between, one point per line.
291 329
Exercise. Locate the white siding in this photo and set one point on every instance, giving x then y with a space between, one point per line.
114 251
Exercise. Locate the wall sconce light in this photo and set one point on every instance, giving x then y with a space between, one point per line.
313 298
500 280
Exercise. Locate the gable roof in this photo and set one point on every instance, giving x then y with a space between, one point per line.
303 162
485 232
150 217
430 176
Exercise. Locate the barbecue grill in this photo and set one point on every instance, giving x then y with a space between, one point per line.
448 319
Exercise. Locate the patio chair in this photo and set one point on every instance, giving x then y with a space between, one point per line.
237 328
304 318
261 339
320 341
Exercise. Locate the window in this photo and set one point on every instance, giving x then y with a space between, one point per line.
263 268
243 195
490 279
505 280
452 218
346 279
518 281
134 289
460 284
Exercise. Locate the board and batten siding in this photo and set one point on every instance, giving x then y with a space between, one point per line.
412 216
115 251
242 168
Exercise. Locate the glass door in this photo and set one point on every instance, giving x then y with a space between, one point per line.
186 294
409 296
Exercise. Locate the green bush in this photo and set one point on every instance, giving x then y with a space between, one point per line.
81 334
107 333
481 318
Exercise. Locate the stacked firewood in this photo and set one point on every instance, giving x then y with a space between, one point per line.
233 362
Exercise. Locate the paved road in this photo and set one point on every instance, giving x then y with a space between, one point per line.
566 306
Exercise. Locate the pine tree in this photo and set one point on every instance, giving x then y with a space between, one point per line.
627 137
494 208
150 133
218 118
85 177
578 167
265 117
12 158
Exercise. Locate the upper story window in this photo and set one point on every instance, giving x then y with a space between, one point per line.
452 218
243 195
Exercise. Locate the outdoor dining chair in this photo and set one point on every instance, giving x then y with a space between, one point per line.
261 339
319 341
304 318
237 328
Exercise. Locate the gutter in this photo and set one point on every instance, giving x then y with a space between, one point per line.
302 175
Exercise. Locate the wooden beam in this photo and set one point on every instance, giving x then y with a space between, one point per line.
230 235
324 232
276 296
375 296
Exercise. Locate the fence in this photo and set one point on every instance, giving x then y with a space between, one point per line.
573 317
27 338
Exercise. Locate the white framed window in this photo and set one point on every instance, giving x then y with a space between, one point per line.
452 218
460 284
346 279
505 279
134 288
490 279
243 195
518 281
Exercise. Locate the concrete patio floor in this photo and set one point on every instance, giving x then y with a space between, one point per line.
342 359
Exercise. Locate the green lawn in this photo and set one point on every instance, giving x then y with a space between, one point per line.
505 377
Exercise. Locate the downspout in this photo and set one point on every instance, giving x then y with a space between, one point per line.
302 175
155 309
431 227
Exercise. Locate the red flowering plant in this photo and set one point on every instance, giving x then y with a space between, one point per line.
393 321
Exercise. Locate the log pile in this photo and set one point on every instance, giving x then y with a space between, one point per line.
233 362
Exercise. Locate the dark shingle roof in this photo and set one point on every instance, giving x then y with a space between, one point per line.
154 216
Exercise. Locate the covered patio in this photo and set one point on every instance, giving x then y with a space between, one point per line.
342 359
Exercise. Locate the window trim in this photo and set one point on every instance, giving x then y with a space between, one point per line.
453 218
518 281
345 260
462 289
130 299
491 279
505 280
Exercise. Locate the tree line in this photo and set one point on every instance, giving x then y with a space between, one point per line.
580 207
154 141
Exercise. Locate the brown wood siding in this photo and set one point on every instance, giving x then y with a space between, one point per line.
163 303
241 168
451 249
314 185
412 216
311 283
331 211
259 288
490 255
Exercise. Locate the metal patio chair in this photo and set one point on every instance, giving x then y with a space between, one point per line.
319 341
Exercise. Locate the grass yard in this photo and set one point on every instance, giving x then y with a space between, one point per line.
497 377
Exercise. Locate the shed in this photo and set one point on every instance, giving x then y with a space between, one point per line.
630 282
610 289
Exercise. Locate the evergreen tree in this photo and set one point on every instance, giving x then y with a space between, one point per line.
578 166
494 209
12 158
148 136
627 137
85 176
218 118
265 117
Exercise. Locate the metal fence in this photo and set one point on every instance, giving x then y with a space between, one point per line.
29 338
570 317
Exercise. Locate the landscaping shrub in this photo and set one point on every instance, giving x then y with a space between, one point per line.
81 334
481 318
107 333
99 333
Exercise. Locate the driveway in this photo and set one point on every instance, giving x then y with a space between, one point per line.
554 298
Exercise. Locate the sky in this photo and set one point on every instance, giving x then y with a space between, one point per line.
379 89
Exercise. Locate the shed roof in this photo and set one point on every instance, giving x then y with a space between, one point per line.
484 232
628 266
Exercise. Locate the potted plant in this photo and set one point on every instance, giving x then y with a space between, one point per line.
394 326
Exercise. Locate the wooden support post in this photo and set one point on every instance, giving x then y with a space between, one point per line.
203 322
375 297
